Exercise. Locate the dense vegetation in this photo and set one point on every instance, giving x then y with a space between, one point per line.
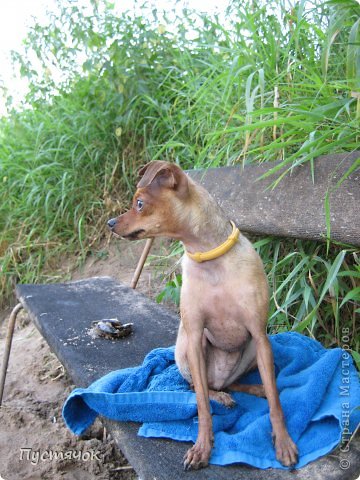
109 91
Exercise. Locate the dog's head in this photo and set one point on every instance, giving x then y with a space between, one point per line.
158 203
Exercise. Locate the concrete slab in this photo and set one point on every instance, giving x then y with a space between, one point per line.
64 312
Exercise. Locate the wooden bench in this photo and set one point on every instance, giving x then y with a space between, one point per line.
63 313
296 207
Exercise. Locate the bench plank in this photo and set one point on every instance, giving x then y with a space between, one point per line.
63 313
295 208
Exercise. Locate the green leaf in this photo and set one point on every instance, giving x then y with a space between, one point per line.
354 294
353 57
356 357
331 277
327 220
332 274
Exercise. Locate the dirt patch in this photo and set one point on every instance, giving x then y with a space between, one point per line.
34 442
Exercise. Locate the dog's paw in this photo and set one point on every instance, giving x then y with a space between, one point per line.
197 456
286 450
223 398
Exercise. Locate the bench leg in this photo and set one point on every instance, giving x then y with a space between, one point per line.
8 341
141 262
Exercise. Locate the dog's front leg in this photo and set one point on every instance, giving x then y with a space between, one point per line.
286 451
198 456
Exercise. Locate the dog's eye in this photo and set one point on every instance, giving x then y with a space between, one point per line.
139 204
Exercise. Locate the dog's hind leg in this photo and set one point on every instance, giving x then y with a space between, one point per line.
257 390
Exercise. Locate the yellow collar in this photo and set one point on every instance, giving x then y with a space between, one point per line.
217 251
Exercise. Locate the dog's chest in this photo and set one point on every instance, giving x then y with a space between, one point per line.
224 319
224 300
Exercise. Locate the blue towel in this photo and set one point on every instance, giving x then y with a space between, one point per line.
319 392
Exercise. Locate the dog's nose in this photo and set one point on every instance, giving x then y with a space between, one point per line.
111 223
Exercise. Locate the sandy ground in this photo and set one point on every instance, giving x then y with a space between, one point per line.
34 442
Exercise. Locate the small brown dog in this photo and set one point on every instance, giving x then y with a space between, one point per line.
224 299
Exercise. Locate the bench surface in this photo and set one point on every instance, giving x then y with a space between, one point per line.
296 207
64 312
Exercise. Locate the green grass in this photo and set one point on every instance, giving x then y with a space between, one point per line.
265 84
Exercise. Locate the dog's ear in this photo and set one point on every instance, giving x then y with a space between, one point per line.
163 174
158 171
